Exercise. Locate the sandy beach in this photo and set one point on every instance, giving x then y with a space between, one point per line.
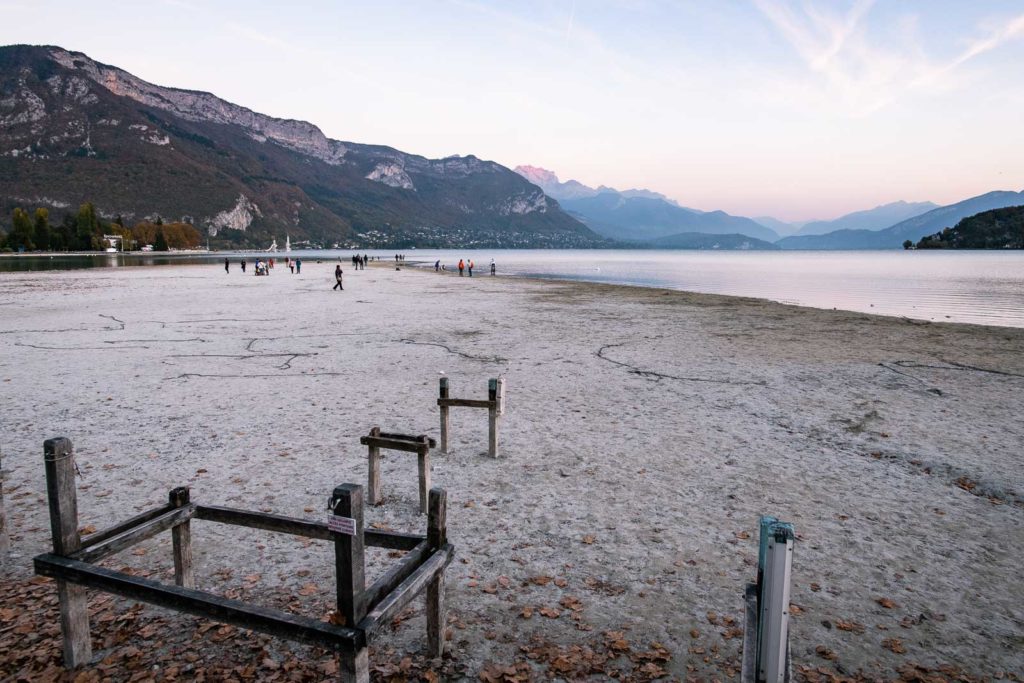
646 431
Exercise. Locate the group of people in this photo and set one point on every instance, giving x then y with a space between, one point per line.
264 267
464 265
359 262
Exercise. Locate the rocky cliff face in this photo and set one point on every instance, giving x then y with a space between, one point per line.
74 130
200 106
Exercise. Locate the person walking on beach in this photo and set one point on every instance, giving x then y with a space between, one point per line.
291 267
437 265
298 266
462 266
493 267
227 266
243 265
471 267
337 278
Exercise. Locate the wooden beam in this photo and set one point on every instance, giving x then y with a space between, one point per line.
398 573
131 523
373 492
392 540
406 591
492 417
437 519
59 461
464 403
423 465
268 522
199 603
181 537
405 437
128 538
394 444
5 538
437 537
445 419
349 562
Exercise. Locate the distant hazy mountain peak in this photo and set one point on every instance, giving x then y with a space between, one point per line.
877 218
537 175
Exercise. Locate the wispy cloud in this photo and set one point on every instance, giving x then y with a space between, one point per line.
865 73
257 36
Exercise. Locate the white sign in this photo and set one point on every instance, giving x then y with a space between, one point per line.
341 525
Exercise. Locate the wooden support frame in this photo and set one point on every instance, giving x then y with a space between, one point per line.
5 538
363 611
495 405
420 445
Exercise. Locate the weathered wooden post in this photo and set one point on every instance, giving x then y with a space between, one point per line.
445 423
59 459
181 537
5 539
437 536
423 457
373 494
496 396
347 524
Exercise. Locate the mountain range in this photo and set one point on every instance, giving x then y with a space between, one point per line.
877 218
912 229
651 219
73 130
638 215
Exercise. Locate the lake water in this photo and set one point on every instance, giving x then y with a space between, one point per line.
984 287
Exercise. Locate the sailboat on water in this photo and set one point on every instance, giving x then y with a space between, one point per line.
287 243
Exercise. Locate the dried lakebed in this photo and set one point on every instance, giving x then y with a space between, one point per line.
646 430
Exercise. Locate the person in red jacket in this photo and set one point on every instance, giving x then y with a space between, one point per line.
462 266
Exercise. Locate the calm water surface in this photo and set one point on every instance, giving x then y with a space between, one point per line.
985 287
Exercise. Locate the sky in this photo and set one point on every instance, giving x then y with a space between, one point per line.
794 109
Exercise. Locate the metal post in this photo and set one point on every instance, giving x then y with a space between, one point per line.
776 563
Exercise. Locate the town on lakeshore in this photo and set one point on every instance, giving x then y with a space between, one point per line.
510 343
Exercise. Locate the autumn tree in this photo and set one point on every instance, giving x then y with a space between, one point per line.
20 237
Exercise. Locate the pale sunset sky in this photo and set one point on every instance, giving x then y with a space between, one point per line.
790 108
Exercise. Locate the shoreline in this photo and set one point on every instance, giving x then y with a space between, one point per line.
658 423
992 301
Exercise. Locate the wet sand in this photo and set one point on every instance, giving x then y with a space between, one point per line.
646 431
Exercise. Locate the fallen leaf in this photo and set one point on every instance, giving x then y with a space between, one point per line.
589 539
895 645
826 653
886 603
851 626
